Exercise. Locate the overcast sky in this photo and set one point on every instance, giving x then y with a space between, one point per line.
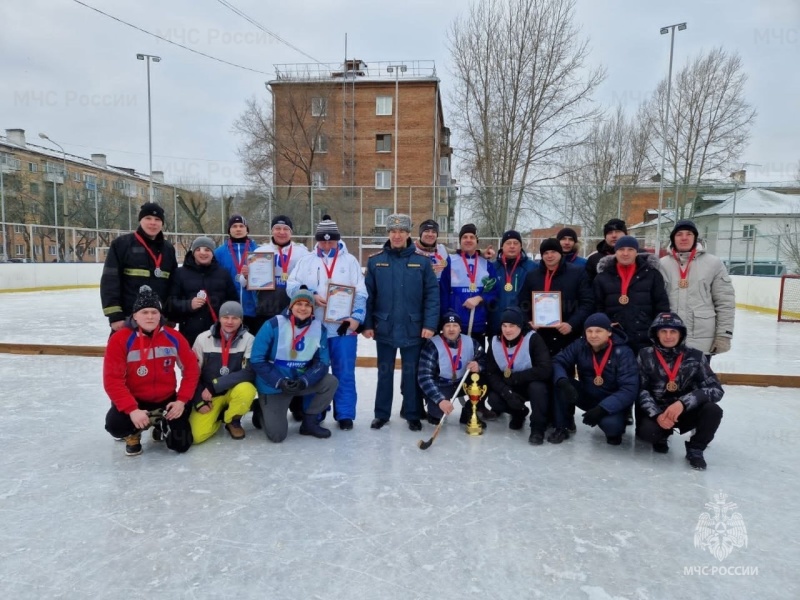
72 73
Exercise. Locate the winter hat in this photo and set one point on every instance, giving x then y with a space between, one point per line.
567 232
468 228
151 209
237 219
667 320
597 320
550 244
451 316
683 225
615 225
302 294
327 230
398 221
626 241
231 308
203 242
513 315
429 224
282 220
510 235
146 298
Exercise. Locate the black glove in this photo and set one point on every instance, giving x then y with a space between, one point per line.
594 415
343 328
513 400
287 385
568 392
300 384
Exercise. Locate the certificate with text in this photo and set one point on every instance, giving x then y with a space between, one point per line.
262 271
340 302
546 309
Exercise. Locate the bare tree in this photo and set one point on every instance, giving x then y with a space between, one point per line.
520 98
710 119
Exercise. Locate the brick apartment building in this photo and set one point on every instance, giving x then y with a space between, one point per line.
338 135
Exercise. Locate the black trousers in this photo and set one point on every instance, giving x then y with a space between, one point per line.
535 393
179 438
704 420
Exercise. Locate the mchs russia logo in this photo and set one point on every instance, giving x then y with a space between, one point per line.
720 530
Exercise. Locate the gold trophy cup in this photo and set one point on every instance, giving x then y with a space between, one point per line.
475 393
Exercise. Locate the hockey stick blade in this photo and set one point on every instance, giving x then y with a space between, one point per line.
423 445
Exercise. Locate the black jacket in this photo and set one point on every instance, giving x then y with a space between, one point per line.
542 369
646 293
603 250
189 279
128 266
577 301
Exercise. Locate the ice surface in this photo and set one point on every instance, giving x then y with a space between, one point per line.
366 514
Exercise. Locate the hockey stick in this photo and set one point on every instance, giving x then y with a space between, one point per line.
425 445
471 321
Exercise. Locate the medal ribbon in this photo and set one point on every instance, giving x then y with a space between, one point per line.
210 308
684 272
474 273
285 259
510 275
225 347
144 356
236 262
453 361
296 339
329 272
548 278
156 259
598 369
510 362
671 374
626 273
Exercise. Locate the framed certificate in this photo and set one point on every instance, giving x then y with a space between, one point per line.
262 271
546 309
340 302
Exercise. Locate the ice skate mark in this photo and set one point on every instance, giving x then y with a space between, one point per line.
13 491
607 549
132 530
371 576
333 510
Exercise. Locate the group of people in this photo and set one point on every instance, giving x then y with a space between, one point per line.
637 331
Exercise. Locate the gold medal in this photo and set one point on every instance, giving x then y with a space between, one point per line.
672 386
683 283
598 381
473 287
624 299
508 287
284 277
507 373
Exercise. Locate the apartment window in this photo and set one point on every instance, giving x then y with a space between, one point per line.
20 249
444 165
76 176
19 228
90 250
51 250
37 250
33 167
321 144
381 214
383 180
444 224
319 180
383 106
34 188
383 142
319 107
54 168
749 231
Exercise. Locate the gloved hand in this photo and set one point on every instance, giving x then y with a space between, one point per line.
514 400
300 384
343 328
721 345
287 385
593 416
568 392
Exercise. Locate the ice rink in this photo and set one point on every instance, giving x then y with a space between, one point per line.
366 514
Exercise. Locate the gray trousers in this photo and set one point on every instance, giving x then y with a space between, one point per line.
274 406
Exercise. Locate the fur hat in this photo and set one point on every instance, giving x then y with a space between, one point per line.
151 209
615 225
146 298
550 244
429 224
567 232
231 308
302 294
597 320
398 221
468 228
683 225
203 242
327 230
282 220
626 241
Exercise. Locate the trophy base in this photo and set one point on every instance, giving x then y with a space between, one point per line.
474 427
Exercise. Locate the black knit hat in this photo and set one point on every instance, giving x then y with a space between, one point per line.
468 228
237 219
429 224
146 298
451 316
567 232
683 225
327 230
151 209
627 241
513 315
510 235
615 225
550 244
282 220
597 320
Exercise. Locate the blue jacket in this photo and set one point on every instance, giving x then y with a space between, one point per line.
403 296
620 375
505 299
455 297
223 255
268 374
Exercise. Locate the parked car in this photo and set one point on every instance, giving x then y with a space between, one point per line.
758 268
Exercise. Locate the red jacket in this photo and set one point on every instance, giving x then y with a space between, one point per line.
121 365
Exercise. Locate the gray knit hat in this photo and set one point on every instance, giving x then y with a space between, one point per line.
327 230
231 308
203 242
303 293
399 221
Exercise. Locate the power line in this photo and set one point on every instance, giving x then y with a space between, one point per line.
97 10
255 23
